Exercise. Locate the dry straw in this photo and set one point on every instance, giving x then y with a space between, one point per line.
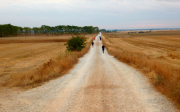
164 77
50 70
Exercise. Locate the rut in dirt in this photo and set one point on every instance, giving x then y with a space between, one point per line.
98 83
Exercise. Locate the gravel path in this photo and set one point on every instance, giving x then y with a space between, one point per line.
98 83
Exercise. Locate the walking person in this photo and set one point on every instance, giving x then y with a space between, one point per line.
92 43
103 47
100 38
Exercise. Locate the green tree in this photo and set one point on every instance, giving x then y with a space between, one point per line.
27 30
36 30
8 30
76 43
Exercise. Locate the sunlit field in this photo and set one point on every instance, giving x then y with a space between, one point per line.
29 60
156 54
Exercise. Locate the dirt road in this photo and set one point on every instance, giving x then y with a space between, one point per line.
98 83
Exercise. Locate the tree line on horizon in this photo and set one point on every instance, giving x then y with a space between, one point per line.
108 31
7 30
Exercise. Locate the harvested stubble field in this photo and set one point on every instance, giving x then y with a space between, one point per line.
29 56
156 54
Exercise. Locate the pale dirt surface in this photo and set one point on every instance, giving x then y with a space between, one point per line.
98 83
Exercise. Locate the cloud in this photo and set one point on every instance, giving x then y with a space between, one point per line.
89 5
168 0
87 12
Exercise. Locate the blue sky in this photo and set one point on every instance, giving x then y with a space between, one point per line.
108 14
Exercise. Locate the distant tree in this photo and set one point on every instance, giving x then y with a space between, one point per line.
102 30
20 30
27 30
10 30
141 32
36 30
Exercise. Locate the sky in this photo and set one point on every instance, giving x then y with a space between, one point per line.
105 14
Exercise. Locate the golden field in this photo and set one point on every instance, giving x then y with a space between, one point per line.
33 59
156 54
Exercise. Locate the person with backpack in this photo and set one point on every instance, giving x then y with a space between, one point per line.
103 48
92 43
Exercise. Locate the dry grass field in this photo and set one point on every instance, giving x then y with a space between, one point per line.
23 56
156 54
34 39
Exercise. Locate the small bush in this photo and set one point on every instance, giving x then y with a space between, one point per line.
76 43
141 32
